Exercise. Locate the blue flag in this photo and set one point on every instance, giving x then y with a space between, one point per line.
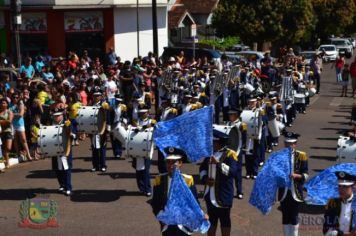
324 186
274 174
191 132
182 208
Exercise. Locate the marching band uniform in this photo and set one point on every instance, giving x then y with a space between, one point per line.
160 193
251 160
218 172
339 214
292 198
119 111
142 164
167 113
237 140
98 141
63 165
261 148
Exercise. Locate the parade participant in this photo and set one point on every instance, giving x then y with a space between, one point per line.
292 198
142 164
316 65
262 144
218 173
62 166
251 160
73 110
339 214
187 104
161 187
119 113
98 141
238 127
6 117
167 112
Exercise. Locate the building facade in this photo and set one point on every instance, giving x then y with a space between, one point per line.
59 26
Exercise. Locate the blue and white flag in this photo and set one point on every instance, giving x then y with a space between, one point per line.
182 208
324 186
274 174
191 132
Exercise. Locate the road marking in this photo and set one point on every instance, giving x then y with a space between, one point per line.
336 102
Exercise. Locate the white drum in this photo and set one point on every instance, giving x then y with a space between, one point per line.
253 119
312 92
346 150
249 88
137 144
299 98
91 120
54 141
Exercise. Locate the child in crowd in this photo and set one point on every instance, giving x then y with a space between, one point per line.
35 131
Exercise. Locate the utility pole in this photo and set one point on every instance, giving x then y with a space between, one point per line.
154 27
16 20
138 27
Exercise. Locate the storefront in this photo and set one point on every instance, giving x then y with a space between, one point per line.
33 34
85 30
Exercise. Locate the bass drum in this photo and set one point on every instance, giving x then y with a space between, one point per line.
275 127
346 149
253 119
91 120
235 139
54 140
312 92
137 144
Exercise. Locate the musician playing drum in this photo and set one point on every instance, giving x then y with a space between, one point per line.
142 164
63 165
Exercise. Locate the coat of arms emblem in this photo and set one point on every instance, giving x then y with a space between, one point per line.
38 213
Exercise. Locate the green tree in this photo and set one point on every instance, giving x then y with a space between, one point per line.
333 16
264 20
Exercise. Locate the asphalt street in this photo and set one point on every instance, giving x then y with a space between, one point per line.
109 203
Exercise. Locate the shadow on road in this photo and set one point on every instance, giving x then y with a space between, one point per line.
22 194
47 174
330 139
100 195
327 158
326 148
311 209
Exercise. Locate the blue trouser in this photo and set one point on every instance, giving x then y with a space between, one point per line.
74 127
143 176
162 168
261 148
99 157
238 174
290 210
64 176
251 163
217 213
116 146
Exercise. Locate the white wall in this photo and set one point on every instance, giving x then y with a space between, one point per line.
126 36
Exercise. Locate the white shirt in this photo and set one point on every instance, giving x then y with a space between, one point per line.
111 88
345 215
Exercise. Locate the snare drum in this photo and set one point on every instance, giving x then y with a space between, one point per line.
91 120
346 150
54 141
253 119
299 98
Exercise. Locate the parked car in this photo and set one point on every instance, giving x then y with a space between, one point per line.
352 41
308 55
330 52
240 47
188 52
343 46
